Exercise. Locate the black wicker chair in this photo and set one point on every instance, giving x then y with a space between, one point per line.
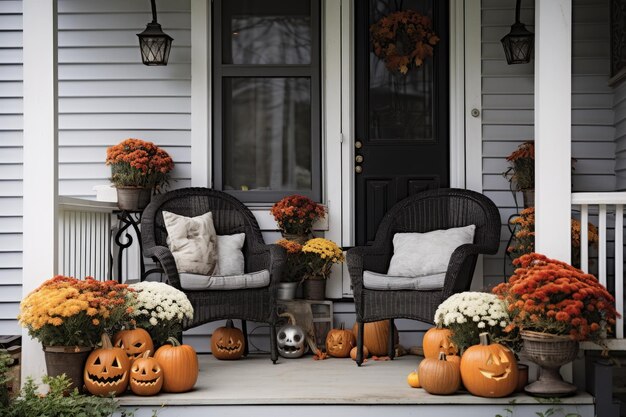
423 212
229 216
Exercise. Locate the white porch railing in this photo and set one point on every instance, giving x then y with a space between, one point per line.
85 238
609 208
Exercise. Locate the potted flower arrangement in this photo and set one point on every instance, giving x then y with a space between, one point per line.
524 237
554 305
137 168
319 255
295 215
293 271
521 173
160 309
68 316
469 313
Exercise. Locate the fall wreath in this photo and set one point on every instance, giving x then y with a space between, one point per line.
403 40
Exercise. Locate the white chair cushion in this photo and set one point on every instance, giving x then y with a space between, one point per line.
421 254
230 259
195 282
192 241
376 281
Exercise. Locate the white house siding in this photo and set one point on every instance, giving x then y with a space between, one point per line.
106 94
619 106
508 100
11 123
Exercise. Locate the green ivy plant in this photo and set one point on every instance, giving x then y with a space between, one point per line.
553 411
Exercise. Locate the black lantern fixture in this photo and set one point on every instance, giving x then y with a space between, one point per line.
518 44
154 44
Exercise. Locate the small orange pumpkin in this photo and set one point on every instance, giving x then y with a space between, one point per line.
438 376
146 375
227 342
366 353
413 380
376 336
179 364
107 369
339 342
438 340
489 369
134 341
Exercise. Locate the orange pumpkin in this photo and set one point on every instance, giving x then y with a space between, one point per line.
227 342
146 375
438 376
339 342
107 369
366 353
376 336
179 364
413 380
438 340
134 342
489 369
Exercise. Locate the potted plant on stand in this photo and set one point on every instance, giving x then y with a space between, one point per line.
295 216
68 316
319 255
554 306
521 173
294 270
137 169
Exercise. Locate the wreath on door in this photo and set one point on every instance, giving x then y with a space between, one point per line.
403 40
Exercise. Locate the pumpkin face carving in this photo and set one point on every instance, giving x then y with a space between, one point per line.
135 342
106 369
339 342
489 370
227 342
146 375
291 340
438 340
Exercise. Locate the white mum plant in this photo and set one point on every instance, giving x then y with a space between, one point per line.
161 309
469 313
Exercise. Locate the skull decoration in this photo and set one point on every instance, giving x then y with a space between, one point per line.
227 342
146 375
106 370
135 342
489 369
291 341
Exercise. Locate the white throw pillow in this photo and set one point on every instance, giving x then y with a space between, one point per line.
230 259
418 254
193 242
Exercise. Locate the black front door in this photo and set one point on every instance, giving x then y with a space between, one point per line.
402 134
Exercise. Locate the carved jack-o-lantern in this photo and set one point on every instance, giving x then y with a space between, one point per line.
438 340
489 370
339 342
106 369
146 375
135 342
227 342
291 339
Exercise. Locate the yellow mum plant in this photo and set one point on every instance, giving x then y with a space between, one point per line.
66 311
320 255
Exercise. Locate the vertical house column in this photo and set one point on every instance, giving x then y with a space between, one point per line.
553 106
40 159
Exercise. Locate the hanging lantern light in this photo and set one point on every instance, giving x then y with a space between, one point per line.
154 44
518 44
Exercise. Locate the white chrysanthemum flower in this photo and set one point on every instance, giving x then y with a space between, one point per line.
153 321
481 325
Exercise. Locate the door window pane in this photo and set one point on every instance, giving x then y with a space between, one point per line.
266 32
400 106
267 134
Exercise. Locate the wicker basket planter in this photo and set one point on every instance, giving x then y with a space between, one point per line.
550 352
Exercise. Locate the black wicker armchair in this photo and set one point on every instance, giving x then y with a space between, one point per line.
423 212
230 216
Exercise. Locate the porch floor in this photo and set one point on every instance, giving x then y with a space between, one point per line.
256 381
